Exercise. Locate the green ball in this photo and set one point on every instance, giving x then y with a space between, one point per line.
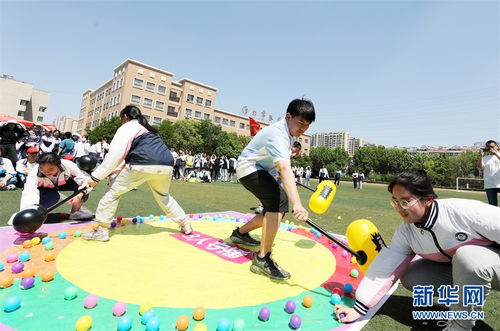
354 273
77 233
70 293
49 246
238 324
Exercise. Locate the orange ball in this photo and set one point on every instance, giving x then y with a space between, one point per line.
27 243
307 301
6 281
182 323
199 313
50 256
28 272
47 276
95 226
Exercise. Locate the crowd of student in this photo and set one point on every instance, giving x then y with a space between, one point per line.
203 167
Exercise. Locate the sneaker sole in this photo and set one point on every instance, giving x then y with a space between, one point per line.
237 240
259 271
94 239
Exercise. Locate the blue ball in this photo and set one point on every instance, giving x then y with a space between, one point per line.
146 316
134 220
348 288
124 323
153 324
62 235
224 324
46 240
23 257
11 303
2 265
335 299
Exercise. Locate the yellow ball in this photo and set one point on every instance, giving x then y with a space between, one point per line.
307 230
200 327
84 323
145 306
156 218
287 221
339 218
291 223
35 241
353 260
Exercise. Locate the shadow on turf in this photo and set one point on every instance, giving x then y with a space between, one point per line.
393 308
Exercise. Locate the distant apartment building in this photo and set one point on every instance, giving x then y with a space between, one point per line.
453 151
337 139
64 124
21 99
354 144
160 98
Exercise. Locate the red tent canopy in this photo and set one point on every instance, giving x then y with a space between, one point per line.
5 118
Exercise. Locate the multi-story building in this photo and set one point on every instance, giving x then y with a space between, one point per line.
331 139
160 98
354 144
21 99
64 124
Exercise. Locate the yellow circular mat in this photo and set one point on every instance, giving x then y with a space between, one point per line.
144 263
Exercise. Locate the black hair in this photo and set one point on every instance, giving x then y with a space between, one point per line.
417 182
297 144
67 135
3 151
490 141
134 113
302 107
51 158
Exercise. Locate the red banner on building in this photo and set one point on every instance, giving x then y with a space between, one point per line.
254 127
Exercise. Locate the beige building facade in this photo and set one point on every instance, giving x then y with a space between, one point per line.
160 98
64 124
21 99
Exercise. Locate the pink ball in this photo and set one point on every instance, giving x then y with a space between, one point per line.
12 258
344 253
17 267
119 308
90 301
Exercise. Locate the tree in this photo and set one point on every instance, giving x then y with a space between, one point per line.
106 129
186 135
167 134
320 156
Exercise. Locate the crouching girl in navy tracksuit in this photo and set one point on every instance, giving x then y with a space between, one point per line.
456 238
145 157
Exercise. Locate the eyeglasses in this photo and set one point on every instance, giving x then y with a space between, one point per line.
403 204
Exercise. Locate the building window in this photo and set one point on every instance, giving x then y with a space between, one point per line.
173 96
208 103
20 113
197 114
190 98
140 71
189 112
150 86
152 75
171 110
157 120
307 141
39 119
138 82
163 78
232 123
224 121
159 105
242 125
162 90
217 119
135 99
148 103
24 102
41 109
199 100
206 116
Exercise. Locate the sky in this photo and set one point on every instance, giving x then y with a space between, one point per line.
395 73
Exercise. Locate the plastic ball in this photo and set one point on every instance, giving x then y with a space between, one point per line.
339 218
119 218
90 301
354 273
151 217
290 306
124 323
70 293
119 308
295 321
335 299
182 323
24 256
336 290
199 313
62 235
50 256
348 288
144 307
334 245
264 314
47 276
239 324
28 272
11 303
134 220
341 315
17 267
113 225
11 258
35 241
27 283
353 260
224 324
2 265
153 324
77 234
49 246
27 244
307 301
95 226
200 327
46 240
84 323
6 281
345 253
146 316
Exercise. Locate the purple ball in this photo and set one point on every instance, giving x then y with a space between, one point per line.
27 283
264 314
134 220
113 224
17 267
290 306
341 315
295 321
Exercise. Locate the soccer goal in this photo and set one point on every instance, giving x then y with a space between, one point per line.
464 183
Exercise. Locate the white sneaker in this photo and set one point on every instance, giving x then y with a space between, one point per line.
11 187
99 234
186 228
80 215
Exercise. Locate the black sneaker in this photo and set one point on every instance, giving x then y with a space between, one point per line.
267 267
244 239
